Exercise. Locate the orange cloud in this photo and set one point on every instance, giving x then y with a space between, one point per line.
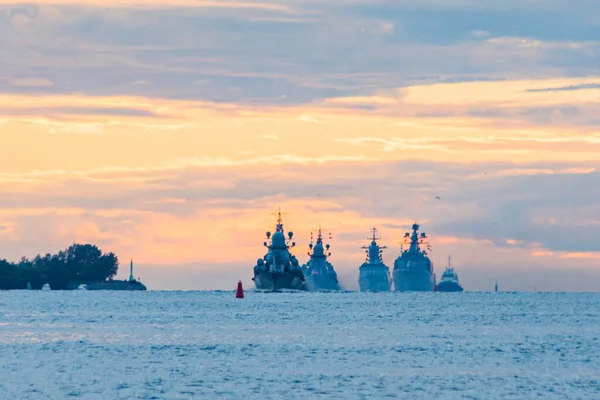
268 6
586 255
516 93
150 132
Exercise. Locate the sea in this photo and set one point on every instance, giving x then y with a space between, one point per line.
294 345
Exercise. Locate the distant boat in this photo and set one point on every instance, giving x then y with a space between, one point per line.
82 287
318 271
413 270
449 282
374 275
279 269
46 286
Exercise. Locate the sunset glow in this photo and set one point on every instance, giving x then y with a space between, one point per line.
167 132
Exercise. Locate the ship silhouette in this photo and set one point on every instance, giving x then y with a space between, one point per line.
278 269
413 270
318 271
449 281
374 275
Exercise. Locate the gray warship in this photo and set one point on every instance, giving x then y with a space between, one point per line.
374 275
413 270
449 281
318 271
278 269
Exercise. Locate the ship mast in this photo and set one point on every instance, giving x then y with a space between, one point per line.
279 228
374 250
279 225
415 240
375 237
319 242
319 236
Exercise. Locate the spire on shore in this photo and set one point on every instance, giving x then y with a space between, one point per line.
131 278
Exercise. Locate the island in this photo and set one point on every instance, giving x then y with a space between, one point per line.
81 266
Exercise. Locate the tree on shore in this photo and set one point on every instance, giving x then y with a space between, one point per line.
9 275
80 263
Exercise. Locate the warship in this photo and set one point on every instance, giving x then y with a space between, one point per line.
278 269
449 282
374 275
413 270
318 271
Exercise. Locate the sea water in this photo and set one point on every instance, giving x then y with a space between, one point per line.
345 345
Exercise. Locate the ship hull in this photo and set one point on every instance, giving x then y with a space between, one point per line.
412 281
374 282
275 281
374 285
449 287
322 282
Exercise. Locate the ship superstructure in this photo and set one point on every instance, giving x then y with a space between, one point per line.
278 269
449 281
374 275
413 270
318 271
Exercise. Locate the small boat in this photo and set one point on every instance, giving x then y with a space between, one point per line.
449 282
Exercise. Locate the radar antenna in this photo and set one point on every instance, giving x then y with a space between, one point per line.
279 215
373 250
374 238
415 240
279 228
320 241
374 233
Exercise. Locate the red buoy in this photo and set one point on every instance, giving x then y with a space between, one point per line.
239 293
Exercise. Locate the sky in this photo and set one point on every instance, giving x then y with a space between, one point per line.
170 131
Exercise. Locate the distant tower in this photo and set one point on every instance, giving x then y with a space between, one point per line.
131 278
496 287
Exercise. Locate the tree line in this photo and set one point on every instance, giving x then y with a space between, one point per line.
80 263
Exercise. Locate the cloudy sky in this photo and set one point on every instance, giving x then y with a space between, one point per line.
168 131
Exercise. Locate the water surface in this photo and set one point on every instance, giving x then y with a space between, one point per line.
177 345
